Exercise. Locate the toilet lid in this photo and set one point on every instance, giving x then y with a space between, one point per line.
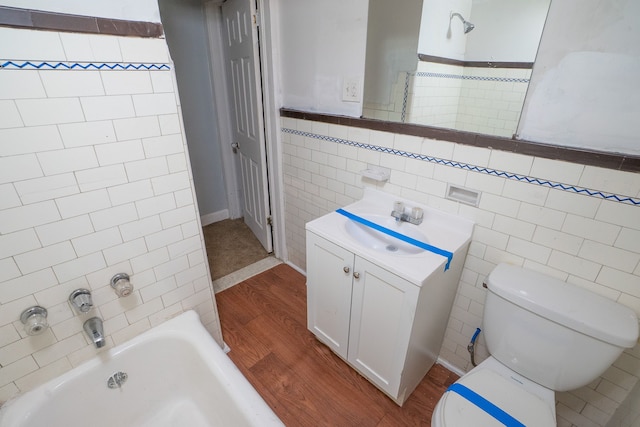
515 405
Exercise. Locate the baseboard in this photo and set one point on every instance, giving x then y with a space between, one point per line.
214 217
450 367
296 268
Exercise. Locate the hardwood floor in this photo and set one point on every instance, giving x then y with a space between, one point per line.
264 322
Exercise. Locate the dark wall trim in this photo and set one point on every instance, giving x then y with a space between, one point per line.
621 162
53 21
479 64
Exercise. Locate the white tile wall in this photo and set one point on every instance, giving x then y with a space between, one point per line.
94 180
585 240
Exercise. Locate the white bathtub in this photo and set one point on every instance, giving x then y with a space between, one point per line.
177 376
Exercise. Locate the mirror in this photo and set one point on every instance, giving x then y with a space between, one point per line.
462 65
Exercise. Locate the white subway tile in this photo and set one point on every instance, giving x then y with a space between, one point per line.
59 350
115 216
26 285
178 216
613 257
77 47
556 170
499 204
170 123
8 269
47 188
31 45
163 315
67 328
45 257
177 162
67 83
145 50
101 177
619 214
11 310
96 241
126 82
124 251
620 281
28 216
162 81
192 274
136 128
88 133
119 152
170 183
8 197
104 48
155 104
135 229
21 84
182 294
82 203
628 239
477 156
510 162
528 250
144 310
8 335
610 180
18 168
149 260
171 267
591 229
546 217
157 289
43 375
18 242
17 370
574 265
557 240
67 160
26 140
128 193
9 115
163 238
530 193
64 230
48 111
155 205
163 145
573 203
79 267
108 108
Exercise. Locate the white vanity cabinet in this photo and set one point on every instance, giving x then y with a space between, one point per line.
364 313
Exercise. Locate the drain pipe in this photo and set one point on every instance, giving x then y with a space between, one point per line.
470 347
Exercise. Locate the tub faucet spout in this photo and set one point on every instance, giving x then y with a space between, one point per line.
93 328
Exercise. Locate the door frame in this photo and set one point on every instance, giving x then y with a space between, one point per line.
270 86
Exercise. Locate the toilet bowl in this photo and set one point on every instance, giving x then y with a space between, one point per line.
544 335
493 395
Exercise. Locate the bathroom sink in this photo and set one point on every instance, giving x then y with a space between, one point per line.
383 242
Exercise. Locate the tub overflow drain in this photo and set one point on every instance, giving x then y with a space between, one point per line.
116 380
392 248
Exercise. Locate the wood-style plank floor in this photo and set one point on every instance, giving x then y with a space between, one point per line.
264 322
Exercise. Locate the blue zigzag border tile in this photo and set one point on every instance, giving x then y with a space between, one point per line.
473 168
462 77
112 66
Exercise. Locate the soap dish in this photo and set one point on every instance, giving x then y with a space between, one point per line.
376 173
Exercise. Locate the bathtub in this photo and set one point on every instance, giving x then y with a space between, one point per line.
176 376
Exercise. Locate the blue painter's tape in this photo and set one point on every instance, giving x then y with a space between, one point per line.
485 405
399 236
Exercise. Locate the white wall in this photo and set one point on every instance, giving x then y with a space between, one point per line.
440 36
94 180
137 10
322 43
584 89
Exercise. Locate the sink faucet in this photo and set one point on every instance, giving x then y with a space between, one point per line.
93 328
415 217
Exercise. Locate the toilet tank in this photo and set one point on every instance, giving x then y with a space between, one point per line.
554 333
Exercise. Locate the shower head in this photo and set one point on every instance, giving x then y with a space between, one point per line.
468 26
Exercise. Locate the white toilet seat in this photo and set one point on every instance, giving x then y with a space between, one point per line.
508 394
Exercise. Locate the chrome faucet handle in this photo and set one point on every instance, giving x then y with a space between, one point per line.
81 300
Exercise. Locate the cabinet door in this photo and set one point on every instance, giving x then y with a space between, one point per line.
382 312
329 275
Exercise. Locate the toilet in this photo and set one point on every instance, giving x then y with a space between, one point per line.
544 335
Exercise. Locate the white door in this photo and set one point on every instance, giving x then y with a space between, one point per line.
243 67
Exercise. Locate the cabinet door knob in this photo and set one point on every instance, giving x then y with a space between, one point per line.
356 275
345 269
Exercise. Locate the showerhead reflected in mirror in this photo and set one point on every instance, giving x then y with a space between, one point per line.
424 67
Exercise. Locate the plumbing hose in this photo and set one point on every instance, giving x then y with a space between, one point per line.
471 346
